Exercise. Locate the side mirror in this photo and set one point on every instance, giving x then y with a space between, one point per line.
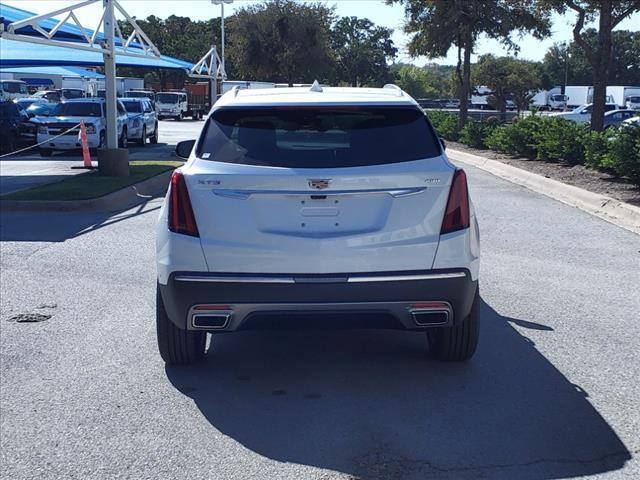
183 149
443 143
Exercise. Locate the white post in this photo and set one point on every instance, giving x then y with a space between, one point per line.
110 75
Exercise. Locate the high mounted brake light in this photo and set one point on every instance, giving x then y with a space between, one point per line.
456 215
181 218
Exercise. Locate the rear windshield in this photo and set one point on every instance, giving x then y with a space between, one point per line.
78 110
132 107
312 137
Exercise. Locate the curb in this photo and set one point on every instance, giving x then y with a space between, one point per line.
614 211
124 198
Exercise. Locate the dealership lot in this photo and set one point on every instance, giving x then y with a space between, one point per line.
30 169
551 393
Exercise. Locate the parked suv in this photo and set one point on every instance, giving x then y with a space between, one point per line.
306 205
68 114
143 122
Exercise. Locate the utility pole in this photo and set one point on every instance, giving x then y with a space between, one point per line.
566 68
221 3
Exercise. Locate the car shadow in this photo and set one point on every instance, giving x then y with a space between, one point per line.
25 226
372 405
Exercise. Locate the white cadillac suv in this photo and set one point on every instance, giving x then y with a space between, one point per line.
317 207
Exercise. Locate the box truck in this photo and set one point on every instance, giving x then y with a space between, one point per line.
549 100
621 94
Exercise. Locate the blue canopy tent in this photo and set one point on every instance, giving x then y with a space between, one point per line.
14 53
61 71
22 54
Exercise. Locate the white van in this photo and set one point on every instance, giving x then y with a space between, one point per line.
12 90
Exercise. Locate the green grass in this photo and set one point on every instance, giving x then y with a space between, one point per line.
90 185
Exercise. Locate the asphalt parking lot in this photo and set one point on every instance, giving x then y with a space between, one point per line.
29 169
553 391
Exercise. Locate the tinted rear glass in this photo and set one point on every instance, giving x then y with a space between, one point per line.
313 137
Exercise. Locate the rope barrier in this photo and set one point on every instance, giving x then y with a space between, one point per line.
76 127
41 143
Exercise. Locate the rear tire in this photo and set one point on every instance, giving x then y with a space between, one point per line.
457 343
177 346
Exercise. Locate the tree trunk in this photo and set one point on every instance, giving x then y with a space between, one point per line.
601 67
465 87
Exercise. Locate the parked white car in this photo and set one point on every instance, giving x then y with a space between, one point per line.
143 122
306 204
582 114
68 114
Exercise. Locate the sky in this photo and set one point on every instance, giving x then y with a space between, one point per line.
376 10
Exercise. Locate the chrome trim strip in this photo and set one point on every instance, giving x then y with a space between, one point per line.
231 279
318 279
402 278
244 194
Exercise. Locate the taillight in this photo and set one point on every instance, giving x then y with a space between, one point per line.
456 215
181 219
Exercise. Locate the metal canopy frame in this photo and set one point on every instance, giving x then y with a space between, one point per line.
209 67
131 46
138 44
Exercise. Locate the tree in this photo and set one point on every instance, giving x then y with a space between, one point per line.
174 36
361 51
525 78
417 82
609 13
571 59
508 78
437 25
282 41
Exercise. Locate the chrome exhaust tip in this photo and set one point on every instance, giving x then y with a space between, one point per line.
431 314
210 317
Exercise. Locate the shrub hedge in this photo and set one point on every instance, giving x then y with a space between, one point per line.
616 150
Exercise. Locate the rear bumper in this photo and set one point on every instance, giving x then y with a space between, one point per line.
400 300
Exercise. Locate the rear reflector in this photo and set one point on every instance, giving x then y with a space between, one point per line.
456 215
181 218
